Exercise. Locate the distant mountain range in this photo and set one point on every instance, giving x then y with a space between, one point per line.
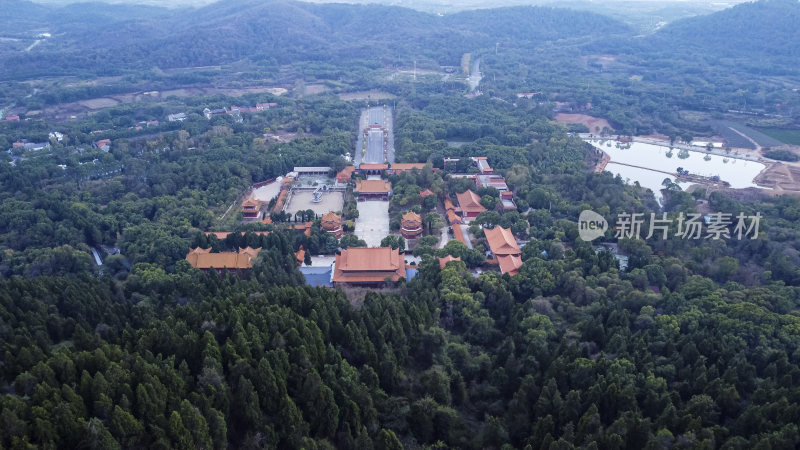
106 39
769 27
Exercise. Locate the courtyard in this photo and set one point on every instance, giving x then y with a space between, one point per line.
303 200
372 224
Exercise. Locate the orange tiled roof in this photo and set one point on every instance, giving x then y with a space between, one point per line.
251 203
443 261
281 199
425 193
452 217
331 220
411 220
368 265
470 202
373 167
250 251
509 264
267 221
304 227
459 234
373 186
204 259
345 174
501 241
403 167
448 205
300 254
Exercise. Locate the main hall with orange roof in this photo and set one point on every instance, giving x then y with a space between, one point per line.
504 248
235 262
360 266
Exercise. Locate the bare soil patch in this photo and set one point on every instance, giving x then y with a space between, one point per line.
594 124
780 177
99 103
312 89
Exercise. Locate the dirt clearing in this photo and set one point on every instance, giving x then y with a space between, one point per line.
594 124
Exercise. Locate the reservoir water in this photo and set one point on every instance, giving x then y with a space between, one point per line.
652 161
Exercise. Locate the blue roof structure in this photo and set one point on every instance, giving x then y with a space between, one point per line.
317 276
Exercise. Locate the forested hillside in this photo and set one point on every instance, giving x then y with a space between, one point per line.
693 345
111 339
764 28
564 355
283 32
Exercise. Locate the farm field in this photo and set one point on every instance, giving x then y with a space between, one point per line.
791 137
728 129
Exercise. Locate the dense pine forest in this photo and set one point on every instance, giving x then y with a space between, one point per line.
694 345
681 344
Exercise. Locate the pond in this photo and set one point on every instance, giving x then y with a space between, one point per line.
650 164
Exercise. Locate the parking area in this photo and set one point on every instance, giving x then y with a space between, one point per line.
372 224
303 200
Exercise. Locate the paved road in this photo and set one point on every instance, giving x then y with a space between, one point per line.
375 115
374 147
475 75
444 237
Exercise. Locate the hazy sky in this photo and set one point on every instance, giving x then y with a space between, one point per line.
483 3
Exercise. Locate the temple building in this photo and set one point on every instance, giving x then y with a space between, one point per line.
376 266
304 227
344 175
233 262
332 223
399 168
469 204
251 209
372 169
411 225
505 249
373 190
499 183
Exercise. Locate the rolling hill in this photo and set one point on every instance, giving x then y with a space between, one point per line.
285 32
766 27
